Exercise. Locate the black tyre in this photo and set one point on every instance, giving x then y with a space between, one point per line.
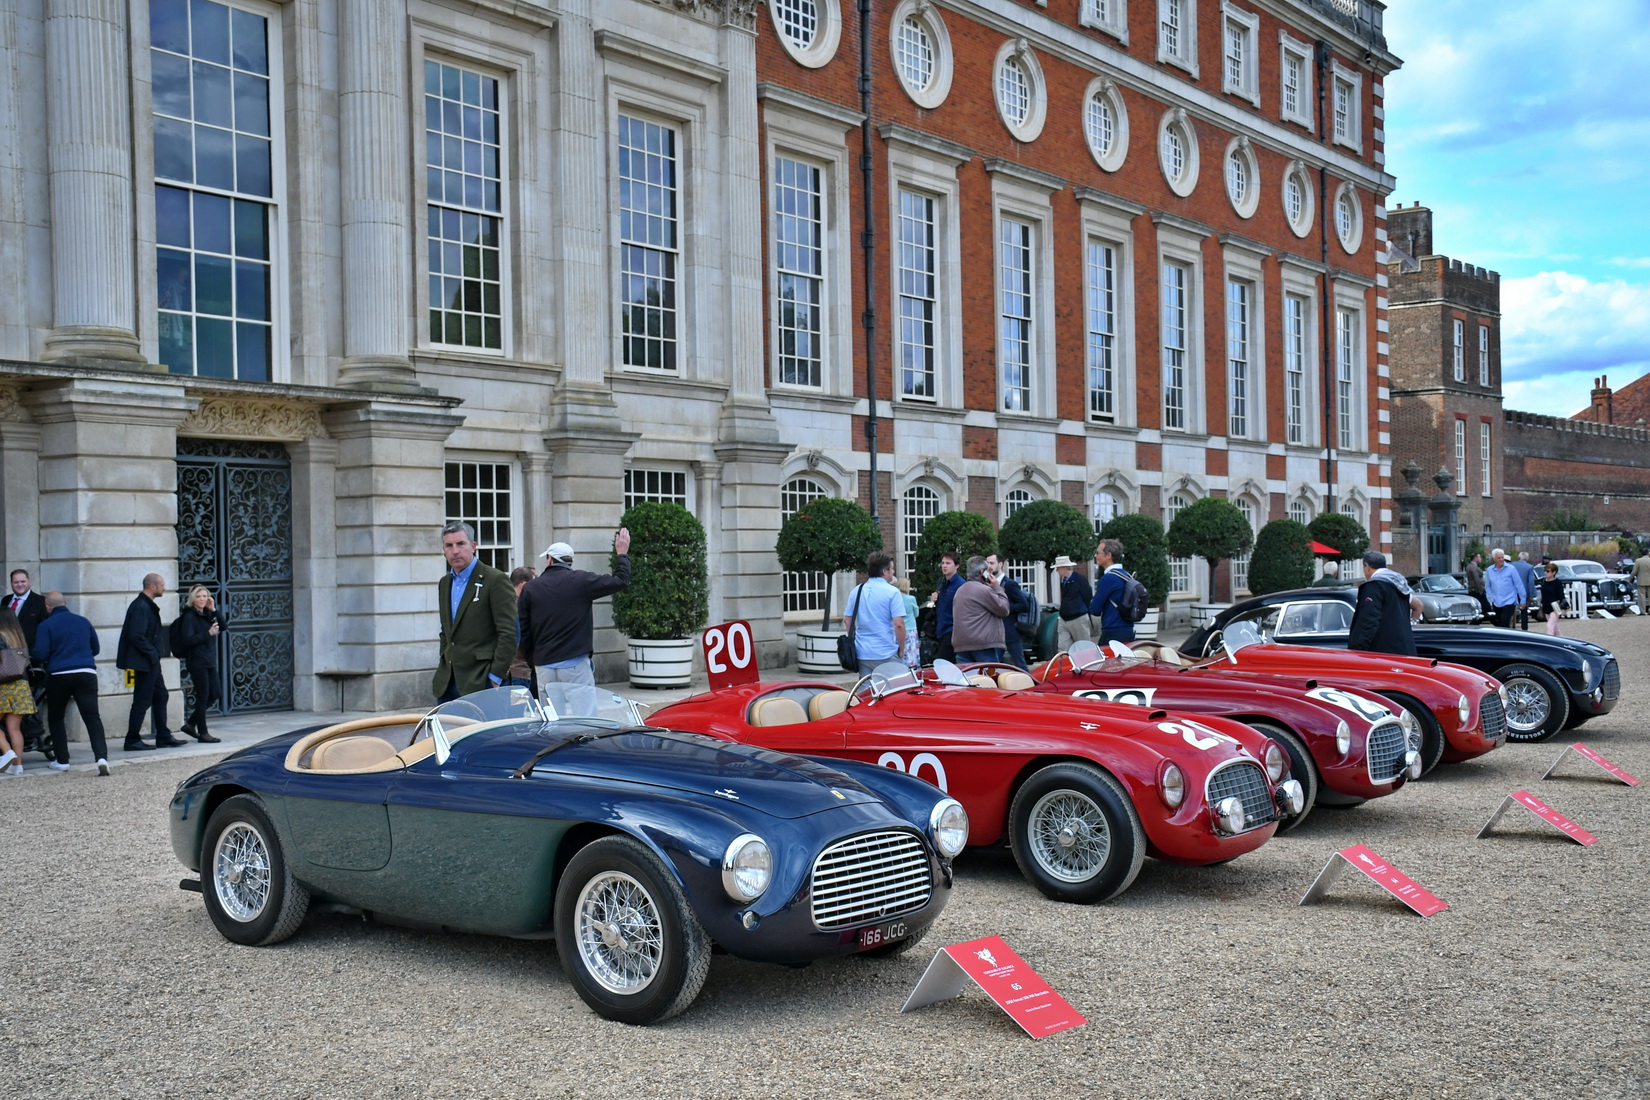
1075 834
250 893
629 941
1537 704
1301 768
1431 747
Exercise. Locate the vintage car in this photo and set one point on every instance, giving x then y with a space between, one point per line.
1345 745
1083 791
1445 599
638 848
1552 683
1614 592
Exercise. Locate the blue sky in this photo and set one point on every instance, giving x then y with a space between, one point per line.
1525 126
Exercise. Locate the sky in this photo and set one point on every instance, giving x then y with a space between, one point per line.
1524 125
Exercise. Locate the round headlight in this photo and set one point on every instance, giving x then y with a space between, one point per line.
1502 692
1171 786
1463 707
747 867
1291 797
948 825
1412 728
1276 761
1229 815
1586 675
1343 736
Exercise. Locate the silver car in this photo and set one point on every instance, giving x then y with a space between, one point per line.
1444 599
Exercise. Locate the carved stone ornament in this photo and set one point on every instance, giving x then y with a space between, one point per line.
234 418
733 13
11 408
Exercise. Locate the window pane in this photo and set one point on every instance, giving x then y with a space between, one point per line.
212 223
172 216
251 51
170 84
209 31
213 290
177 343
214 348
169 25
252 352
174 150
214 158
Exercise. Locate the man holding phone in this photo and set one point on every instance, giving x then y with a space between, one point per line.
977 614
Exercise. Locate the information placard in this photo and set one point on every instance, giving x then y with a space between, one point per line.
1545 812
1588 754
992 965
730 654
1379 871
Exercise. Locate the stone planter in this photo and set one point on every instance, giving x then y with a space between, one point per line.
1146 629
816 650
663 663
1204 613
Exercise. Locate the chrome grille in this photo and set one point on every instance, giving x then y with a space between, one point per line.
1246 781
1612 679
1385 750
1493 716
1609 591
869 877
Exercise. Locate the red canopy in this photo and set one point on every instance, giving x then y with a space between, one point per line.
1321 550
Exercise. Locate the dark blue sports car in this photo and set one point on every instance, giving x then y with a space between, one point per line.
637 848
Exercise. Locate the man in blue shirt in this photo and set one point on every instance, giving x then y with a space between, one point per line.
950 581
1503 587
1526 573
876 615
1108 591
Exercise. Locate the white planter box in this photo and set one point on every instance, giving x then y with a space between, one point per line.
658 664
816 650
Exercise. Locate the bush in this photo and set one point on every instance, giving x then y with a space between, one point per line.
1605 553
1566 520
1474 546
1282 558
1213 529
1343 533
828 535
961 533
1630 546
669 592
1145 552
1045 529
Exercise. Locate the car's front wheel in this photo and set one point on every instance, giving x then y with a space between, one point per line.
629 941
1075 834
1537 704
1431 746
1301 768
250 893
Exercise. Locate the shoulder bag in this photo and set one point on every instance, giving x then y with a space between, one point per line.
14 665
845 655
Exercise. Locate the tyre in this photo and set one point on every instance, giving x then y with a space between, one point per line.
628 939
1075 834
250 893
1431 747
1301 767
1537 704
898 947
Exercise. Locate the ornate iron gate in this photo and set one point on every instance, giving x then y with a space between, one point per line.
235 537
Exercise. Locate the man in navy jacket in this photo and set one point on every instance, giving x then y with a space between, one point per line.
66 644
1108 593
142 645
950 581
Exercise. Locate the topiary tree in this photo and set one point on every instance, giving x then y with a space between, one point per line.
1045 529
828 535
962 533
669 592
1282 557
1145 552
1344 533
1213 529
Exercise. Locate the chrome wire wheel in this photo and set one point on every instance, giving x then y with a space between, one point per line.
619 931
1069 835
241 871
1528 705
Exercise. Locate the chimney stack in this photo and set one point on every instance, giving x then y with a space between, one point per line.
1601 411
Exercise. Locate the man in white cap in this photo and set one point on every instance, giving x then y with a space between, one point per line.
1075 597
557 628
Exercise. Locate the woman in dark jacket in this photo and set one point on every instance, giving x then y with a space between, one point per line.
1552 597
202 622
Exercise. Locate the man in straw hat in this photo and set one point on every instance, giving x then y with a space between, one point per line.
1075 597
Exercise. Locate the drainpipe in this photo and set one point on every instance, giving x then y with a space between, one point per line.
1327 310
867 244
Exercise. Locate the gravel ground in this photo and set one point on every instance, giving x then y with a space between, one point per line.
1197 982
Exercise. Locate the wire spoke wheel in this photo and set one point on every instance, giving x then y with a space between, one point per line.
1069 835
620 933
241 871
1527 705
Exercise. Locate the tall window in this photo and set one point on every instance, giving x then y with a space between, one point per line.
1102 329
1240 562
649 249
1300 511
1461 458
1294 85
656 486
802 591
214 191
920 504
1239 68
1346 126
1014 313
800 268
1294 367
1107 507
478 493
1483 355
1174 346
1171 27
1458 351
1346 349
1180 569
1026 572
1484 458
918 293
1237 358
463 175
1237 55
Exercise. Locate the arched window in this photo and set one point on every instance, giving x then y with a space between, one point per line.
1180 569
1300 511
1240 562
1107 507
919 505
802 591
1026 572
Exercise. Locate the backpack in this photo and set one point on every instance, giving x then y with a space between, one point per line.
174 636
1133 604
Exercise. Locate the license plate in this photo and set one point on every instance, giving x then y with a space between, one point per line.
878 935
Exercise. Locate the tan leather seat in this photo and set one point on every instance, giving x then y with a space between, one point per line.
778 710
827 704
354 753
981 680
1015 681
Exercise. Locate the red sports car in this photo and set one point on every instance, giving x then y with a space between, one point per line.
1345 746
1083 791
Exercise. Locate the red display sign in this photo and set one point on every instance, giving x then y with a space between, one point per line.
1552 817
1004 977
1378 871
1583 751
730 654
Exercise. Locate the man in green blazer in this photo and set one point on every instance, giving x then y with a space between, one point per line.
478 619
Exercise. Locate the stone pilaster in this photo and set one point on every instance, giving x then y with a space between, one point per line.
582 272
587 472
19 490
747 564
536 528
390 493
89 160
315 576
373 164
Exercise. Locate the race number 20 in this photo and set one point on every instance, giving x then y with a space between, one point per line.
730 654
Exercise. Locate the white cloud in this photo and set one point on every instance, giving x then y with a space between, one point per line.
1559 331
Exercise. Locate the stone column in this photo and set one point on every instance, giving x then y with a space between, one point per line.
587 471
537 530
20 489
374 162
89 162
390 508
749 568
315 575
